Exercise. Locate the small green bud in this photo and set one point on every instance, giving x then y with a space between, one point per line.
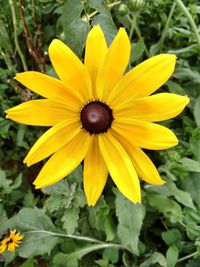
135 5
123 10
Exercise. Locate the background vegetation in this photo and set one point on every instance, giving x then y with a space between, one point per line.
59 228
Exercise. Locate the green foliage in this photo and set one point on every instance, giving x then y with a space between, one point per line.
59 228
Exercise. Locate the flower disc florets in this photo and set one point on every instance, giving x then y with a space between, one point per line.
96 117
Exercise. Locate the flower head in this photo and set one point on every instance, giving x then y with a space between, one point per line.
100 116
10 241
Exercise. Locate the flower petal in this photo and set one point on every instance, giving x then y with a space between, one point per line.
144 79
40 112
64 161
120 167
95 45
157 107
142 163
114 64
48 87
95 173
52 140
145 134
70 69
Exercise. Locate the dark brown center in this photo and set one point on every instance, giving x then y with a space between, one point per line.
96 117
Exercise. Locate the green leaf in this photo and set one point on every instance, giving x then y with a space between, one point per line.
137 50
70 219
168 207
111 254
75 29
190 165
130 217
175 88
72 11
195 143
28 263
75 35
29 201
197 111
172 256
39 241
156 257
107 25
4 182
181 196
171 236
71 259
191 184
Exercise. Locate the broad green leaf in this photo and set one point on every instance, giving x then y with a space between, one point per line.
72 11
171 236
172 256
156 257
130 217
75 29
75 35
36 227
107 25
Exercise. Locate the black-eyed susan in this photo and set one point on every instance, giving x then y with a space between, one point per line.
10 241
100 116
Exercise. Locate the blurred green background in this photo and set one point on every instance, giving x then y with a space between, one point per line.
59 228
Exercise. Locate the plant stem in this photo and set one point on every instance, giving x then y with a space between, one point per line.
164 33
96 12
12 7
6 59
189 17
83 238
133 23
137 30
187 257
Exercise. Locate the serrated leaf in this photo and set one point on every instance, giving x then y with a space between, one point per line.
130 217
172 256
54 202
70 219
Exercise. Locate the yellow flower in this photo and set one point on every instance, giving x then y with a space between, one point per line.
11 241
100 116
